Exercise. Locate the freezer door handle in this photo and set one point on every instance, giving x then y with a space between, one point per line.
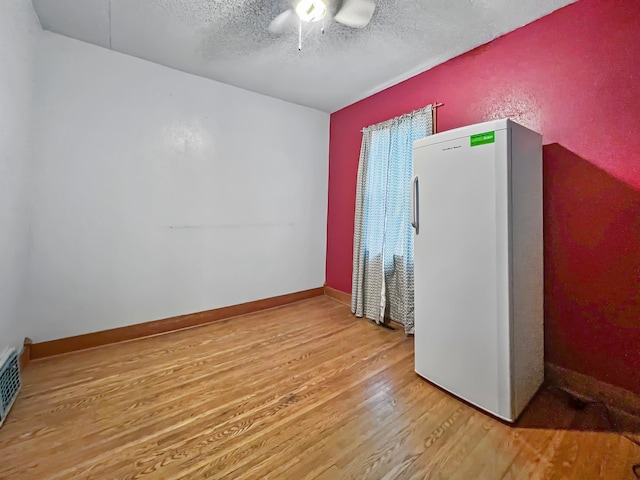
415 204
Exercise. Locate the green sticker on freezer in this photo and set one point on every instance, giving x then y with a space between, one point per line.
482 138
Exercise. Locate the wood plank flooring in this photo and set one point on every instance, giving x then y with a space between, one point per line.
302 391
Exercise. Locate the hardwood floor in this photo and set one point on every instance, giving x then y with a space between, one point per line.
302 391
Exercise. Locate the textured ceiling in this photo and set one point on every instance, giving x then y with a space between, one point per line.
229 40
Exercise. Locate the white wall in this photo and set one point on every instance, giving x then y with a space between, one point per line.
19 29
158 193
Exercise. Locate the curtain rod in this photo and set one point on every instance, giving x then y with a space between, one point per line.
434 106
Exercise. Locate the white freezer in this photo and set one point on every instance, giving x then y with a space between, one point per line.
477 214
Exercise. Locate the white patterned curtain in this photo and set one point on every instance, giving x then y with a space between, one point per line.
383 238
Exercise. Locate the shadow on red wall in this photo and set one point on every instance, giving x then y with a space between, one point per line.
592 269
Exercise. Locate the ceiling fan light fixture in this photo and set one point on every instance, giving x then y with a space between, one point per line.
311 10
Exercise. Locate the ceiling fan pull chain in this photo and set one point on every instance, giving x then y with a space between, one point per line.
300 34
322 30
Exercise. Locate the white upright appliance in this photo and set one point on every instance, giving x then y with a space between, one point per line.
477 215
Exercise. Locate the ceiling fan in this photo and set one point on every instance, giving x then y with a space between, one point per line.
352 13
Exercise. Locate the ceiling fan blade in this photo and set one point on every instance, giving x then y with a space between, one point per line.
279 24
355 13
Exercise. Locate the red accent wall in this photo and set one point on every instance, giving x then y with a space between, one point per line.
574 76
